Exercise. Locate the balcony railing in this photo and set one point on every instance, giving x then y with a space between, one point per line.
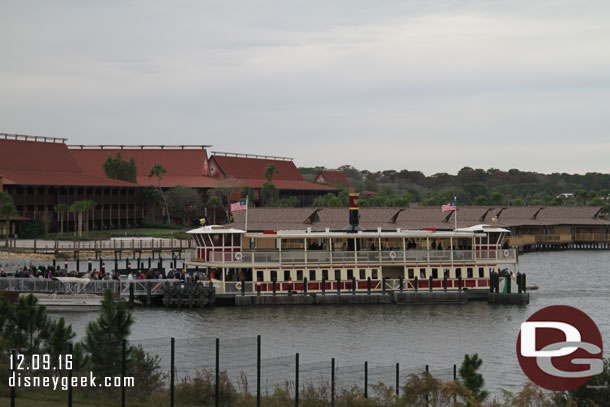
312 258
346 286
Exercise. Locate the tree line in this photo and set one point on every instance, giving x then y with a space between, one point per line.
474 187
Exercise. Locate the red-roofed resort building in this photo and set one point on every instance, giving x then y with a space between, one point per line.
40 172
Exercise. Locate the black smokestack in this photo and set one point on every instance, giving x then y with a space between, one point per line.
354 216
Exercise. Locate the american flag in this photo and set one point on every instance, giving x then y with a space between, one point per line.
239 206
452 206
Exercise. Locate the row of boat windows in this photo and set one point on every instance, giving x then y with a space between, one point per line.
363 274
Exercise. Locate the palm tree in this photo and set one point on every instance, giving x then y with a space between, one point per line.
61 210
214 202
7 210
157 170
79 208
270 170
88 206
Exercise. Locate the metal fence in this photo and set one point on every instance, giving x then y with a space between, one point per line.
248 372
241 361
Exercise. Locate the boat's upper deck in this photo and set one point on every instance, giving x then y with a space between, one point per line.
219 245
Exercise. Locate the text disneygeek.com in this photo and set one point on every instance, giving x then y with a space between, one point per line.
64 382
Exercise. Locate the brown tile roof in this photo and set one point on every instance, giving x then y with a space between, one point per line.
333 177
254 168
184 166
408 218
249 171
24 162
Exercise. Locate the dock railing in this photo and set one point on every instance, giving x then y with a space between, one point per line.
51 246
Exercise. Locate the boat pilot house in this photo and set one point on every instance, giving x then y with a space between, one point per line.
350 259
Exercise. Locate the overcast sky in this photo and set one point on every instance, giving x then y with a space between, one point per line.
422 85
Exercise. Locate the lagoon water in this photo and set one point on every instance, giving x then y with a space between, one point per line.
437 335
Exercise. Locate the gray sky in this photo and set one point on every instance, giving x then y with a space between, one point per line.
422 85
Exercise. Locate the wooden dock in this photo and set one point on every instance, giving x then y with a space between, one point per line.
170 293
73 248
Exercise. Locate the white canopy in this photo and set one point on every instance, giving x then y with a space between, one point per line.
483 228
215 229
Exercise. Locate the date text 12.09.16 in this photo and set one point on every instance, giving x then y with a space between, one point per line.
36 361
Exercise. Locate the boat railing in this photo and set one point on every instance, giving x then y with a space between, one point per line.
315 257
346 287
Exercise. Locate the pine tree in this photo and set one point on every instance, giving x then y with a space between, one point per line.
27 325
472 380
104 338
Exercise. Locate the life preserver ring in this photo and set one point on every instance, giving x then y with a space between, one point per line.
506 253
392 255
238 256
238 285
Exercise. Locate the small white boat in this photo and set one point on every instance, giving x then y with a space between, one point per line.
68 302
72 299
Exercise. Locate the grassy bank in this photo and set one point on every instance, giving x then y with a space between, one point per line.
158 233
418 391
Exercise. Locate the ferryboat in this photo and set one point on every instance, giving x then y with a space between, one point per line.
351 260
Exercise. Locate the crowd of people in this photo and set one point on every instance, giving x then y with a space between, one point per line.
151 274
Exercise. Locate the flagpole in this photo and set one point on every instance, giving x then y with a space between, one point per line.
456 210
246 213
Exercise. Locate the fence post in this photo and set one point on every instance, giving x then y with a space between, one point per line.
172 373
14 361
454 379
366 380
427 376
397 379
217 386
332 382
296 382
70 384
123 371
258 371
